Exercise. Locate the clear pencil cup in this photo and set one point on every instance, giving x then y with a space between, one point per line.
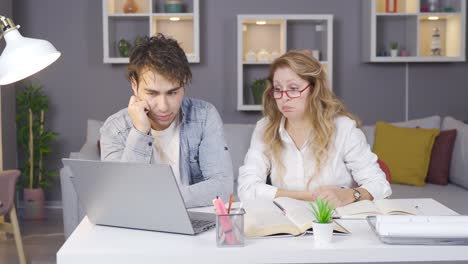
230 229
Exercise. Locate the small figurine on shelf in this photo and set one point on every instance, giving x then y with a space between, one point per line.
130 7
434 5
436 49
124 48
394 49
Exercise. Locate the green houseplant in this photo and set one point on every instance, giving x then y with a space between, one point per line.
258 87
394 49
323 224
35 141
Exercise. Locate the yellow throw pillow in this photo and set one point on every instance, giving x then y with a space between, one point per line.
406 151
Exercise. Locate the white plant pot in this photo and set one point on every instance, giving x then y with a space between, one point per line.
394 53
322 233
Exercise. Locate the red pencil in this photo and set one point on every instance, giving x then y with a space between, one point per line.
230 204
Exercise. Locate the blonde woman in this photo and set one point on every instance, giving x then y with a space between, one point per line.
307 142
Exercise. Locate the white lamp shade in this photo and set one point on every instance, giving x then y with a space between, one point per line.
22 57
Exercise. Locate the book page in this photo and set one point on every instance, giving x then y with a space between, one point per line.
263 218
301 214
395 207
359 209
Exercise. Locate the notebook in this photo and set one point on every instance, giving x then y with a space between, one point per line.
134 195
365 208
264 218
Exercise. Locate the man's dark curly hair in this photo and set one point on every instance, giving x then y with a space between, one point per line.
162 55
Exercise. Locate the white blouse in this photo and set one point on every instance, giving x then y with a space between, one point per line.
350 164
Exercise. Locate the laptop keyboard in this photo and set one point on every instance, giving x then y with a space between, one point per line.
200 223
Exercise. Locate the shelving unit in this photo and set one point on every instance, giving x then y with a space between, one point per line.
278 33
149 19
412 26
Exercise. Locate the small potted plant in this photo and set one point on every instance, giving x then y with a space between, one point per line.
394 49
323 224
258 87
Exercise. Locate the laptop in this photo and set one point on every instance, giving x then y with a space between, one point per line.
134 195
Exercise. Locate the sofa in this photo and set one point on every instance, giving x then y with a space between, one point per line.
453 195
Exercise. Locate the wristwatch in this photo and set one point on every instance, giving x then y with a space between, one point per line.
356 194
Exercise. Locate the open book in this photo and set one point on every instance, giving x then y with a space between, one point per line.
365 208
264 218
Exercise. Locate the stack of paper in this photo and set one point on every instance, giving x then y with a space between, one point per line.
422 226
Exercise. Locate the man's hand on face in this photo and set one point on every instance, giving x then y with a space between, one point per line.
138 110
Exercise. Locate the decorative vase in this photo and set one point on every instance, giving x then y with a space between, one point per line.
434 5
250 56
124 48
274 55
173 6
394 52
130 7
34 204
323 232
263 55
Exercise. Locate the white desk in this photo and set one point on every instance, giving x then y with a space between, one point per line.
99 244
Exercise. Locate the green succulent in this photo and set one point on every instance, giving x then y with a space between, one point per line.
322 210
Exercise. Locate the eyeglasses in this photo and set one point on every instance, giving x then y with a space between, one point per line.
278 94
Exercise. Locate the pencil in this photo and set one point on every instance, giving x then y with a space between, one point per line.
230 204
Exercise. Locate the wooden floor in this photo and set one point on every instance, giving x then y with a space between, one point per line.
41 240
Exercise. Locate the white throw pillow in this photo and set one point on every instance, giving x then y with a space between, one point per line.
428 122
459 163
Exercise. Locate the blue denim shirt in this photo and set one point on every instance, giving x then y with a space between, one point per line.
205 162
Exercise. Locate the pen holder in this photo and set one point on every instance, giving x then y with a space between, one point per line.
230 229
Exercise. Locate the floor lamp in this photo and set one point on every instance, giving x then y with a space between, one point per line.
21 57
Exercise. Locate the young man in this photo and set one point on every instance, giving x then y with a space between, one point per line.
160 125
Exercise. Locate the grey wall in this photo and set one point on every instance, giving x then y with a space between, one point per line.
81 86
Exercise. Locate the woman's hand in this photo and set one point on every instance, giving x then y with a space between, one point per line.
335 195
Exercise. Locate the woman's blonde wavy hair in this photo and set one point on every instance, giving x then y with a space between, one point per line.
322 109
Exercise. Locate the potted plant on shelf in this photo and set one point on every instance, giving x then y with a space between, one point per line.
323 224
394 49
35 141
258 87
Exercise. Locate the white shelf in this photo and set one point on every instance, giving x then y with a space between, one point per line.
118 25
417 59
279 33
249 108
256 62
128 15
172 14
413 31
116 60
